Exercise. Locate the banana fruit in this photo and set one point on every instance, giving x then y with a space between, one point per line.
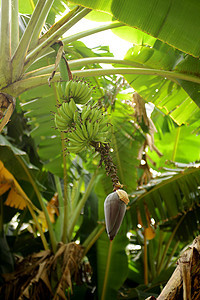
65 115
84 126
94 123
79 91
89 125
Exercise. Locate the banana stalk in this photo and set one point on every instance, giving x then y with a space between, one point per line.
80 205
14 26
40 23
5 42
21 51
36 52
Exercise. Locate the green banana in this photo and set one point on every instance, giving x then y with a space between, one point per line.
75 149
67 110
103 124
97 115
60 124
90 128
100 137
86 113
72 105
76 117
79 132
73 136
84 97
80 91
67 89
73 88
64 115
60 127
92 111
83 112
95 130
59 118
85 132
60 91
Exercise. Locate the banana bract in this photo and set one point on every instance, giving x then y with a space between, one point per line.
114 210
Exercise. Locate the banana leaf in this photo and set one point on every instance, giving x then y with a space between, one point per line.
174 23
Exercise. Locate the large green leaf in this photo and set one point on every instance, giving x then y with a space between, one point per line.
125 145
15 160
40 103
26 7
174 195
190 65
189 227
174 22
180 144
112 273
134 36
165 94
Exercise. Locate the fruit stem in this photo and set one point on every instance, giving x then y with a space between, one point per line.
111 169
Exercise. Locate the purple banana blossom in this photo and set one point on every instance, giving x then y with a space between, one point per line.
114 210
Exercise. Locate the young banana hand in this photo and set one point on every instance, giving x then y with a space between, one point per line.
78 90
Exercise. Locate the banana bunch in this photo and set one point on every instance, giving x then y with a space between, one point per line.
65 115
89 125
78 90
76 140
94 123
81 127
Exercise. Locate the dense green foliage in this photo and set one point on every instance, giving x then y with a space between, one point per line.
156 158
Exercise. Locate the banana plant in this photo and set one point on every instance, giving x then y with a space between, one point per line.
19 71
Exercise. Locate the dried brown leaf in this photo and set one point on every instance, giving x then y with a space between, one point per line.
140 110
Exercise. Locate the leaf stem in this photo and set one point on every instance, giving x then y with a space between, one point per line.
85 33
5 42
44 209
66 198
171 255
59 222
93 237
105 282
14 26
20 53
168 244
145 259
82 62
27 83
80 205
37 51
171 75
65 236
42 17
59 24
44 241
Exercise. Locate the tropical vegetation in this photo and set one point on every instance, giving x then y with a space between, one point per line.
53 235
